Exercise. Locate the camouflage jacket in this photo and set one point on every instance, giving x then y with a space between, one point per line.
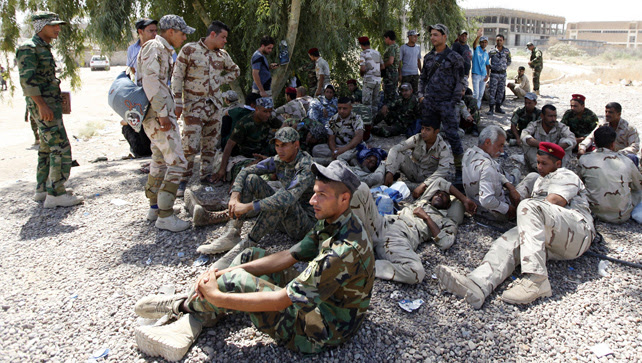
580 126
559 134
371 59
405 110
446 83
322 67
521 118
344 130
613 182
372 178
310 70
392 51
357 96
199 73
568 185
37 69
471 107
293 109
306 101
523 83
484 180
499 60
319 104
331 296
537 61
252 137
437 162
627 140
296 178
155 64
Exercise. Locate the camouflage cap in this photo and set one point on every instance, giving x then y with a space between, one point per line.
412 32
441 27
175 22
319 132
231 96
338 171
285 134
265 102
48 16
144 23
529 44
531 96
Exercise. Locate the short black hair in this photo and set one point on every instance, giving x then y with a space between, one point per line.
434 122
251 98
614 106
390 34
315 53
267 40
548 107
469 92
604 136
521 68
344 100
500 36
338 187
544 153
367 42
217 27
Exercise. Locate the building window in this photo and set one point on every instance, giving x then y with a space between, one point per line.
632 39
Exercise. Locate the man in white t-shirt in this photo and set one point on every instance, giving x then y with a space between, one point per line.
410 55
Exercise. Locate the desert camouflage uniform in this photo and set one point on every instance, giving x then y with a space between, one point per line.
38 78
580 127
344 131
322 103
613 182
371 178
421 166
391 77
371 59
288 209
559 134
522 86
499 61
306 101
627 140
198 75
329 298
292 110
537 63
521 119
321 67
544 231
484 184
402 114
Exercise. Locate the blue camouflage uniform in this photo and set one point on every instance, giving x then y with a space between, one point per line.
499 61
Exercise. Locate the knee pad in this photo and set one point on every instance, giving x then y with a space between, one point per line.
152 185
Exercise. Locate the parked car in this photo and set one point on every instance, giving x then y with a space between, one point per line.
99 62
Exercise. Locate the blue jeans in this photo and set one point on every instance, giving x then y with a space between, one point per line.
478 88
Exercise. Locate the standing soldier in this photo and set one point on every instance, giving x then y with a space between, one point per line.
391 59
499 61
537 63
196 84
155 64
370 65
321 71
410 65
44 101
440 88
460 45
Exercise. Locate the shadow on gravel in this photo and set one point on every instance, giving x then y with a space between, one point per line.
49 219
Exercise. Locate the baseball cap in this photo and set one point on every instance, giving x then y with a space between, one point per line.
463 32
531 96
175 22
412 32
286 134
265 102
441 27
339 172
49 17
407 86
145 22
483 39
529 44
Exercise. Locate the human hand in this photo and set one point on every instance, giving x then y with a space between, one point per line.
420 212
389 179
207 286
165 123
470 206
486 78
514 197
479 32
512 212
45 112
263 94
419 190
274 65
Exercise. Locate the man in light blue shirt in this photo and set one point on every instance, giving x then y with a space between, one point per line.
146 29
481 66
410 54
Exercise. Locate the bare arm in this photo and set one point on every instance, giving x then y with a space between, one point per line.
332 143
556 199
356 140
389 61
513 129
320 84
257 81
226 156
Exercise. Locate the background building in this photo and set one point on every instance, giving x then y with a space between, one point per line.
626 34
518 27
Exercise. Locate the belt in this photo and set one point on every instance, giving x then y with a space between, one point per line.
498 72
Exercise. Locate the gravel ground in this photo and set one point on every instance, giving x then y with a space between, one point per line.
69 279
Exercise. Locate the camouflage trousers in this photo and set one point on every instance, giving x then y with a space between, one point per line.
413 80
390 82
168 160
530 156
295 221
365 208
399 161
286 327
390 125
54 156
496 88
201 132
34 124
524 188
445 111
544 231
370 96
323 153
536 73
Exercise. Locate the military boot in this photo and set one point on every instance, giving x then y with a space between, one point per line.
169 341
64 200
39 196
461 286
498 109
528 289
203 217
166 218
191 199
458 181
157 306
225 261
490 111
230 238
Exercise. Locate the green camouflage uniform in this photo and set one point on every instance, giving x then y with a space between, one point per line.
310 70
521 119
537 63
581 127
329 299
38 78
32 121
252 137
391 77
402 113
304 126
356 96
288 209
471 104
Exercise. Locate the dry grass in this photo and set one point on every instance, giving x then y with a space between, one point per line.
91 128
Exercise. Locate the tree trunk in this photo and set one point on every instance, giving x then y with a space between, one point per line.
281 75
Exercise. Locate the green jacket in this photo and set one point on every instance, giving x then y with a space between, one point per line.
37 69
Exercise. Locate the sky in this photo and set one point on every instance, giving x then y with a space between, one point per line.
573 11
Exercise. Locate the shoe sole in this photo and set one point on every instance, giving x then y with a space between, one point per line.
451 281
153 348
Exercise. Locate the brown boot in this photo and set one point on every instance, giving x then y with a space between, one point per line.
202 217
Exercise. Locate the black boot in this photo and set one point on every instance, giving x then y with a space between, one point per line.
490 111
499 109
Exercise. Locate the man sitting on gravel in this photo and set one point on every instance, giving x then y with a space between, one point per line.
579 119
613 182
430 158
549 130
345 132
522 117
286 209
320 308
555 223
484 179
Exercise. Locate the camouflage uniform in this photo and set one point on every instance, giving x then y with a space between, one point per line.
627 140
471 108
522 86
559 134
442 93
580 127
310 70
521 119
305 126
365 112
321 67
344 131
371 178
322 103
292 110
371 59
613 182
484 182
356 96
402 114
198 75
537 63
306 101
544 231
38 78
391 76
499 61
421 166
33 122
329 299
252 137
288 209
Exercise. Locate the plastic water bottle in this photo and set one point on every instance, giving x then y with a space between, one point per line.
385 205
